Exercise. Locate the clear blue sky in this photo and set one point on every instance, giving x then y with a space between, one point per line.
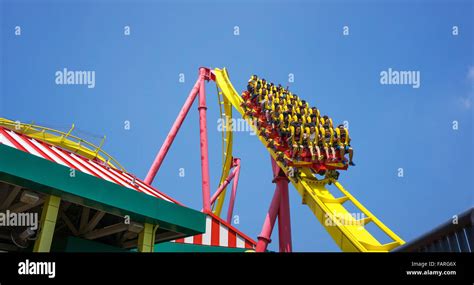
137 80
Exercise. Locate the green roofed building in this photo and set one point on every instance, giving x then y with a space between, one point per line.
60 193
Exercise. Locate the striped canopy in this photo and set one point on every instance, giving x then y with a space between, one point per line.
218 232
94 167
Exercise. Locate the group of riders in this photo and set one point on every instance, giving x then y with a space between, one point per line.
291 127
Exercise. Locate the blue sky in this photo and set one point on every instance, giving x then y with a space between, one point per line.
137 80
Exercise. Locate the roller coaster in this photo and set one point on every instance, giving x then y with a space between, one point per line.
310 179
349 233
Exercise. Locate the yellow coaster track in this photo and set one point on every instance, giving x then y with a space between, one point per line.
349 233
225 108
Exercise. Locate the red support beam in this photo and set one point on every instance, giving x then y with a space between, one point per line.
223 186
265 235
230 210
204 74
284 221
172 134
280 208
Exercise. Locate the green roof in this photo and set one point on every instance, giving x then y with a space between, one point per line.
38 174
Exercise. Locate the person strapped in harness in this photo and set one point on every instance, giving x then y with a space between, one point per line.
312 138
296 140
344 143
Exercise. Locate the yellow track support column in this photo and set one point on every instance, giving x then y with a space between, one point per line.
47 224
146 238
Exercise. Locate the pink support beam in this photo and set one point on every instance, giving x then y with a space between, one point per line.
172 134
284 221
230 210
223 185
279 207
266 233
206 190
275 168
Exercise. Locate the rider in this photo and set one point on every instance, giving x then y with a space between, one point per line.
343 143
312 141
314 111
326 122
275 119
296 139
328 140
252 84
257 91
314 120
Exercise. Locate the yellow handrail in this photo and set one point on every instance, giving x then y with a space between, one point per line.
64 140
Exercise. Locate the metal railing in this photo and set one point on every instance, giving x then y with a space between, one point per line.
64 140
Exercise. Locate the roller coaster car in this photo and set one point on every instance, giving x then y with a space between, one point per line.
273 141
316 166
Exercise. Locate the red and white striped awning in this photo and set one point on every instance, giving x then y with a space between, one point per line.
71 160
219 233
